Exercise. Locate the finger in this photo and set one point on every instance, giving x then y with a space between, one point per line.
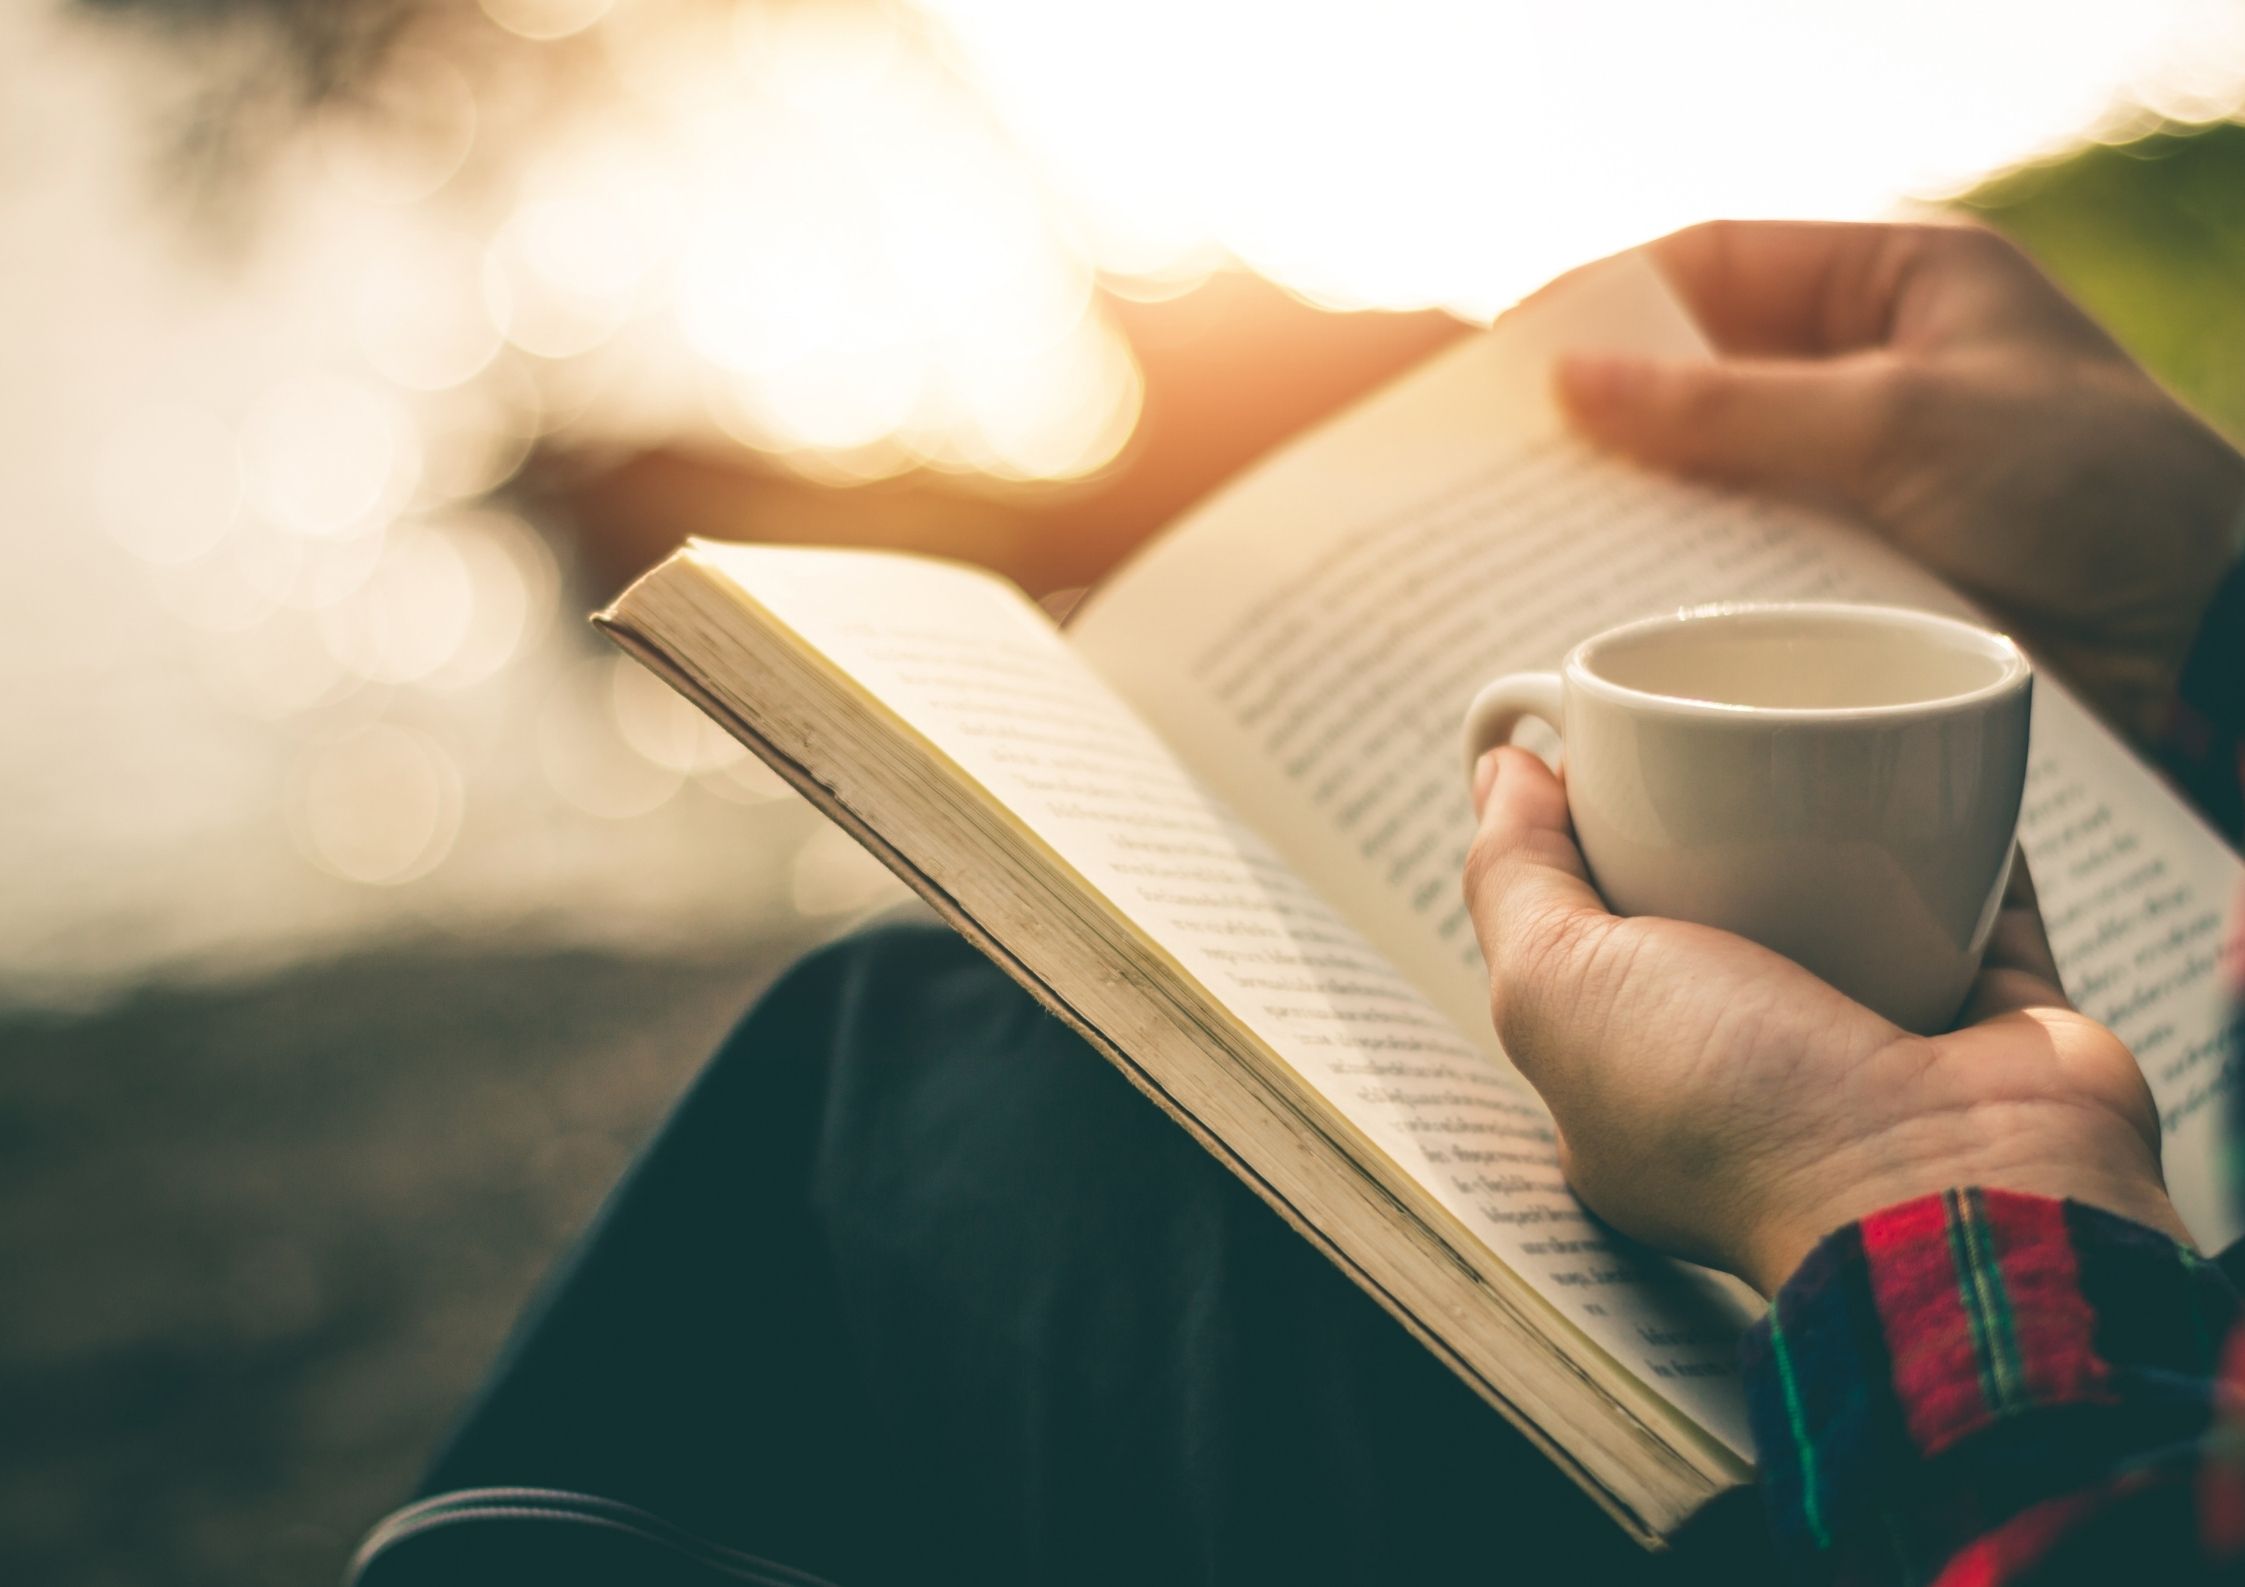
2019 971
1804 289
1791 288
1484 778
1823 426
1524 851
2020 940
1527 890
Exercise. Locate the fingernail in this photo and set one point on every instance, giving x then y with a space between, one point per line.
1588 382
1485 778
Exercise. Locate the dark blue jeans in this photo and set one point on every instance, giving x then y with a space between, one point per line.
914 1287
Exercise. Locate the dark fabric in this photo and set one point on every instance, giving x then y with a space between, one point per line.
2204 745
915 1287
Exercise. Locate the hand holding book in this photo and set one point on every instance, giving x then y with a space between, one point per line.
1936 387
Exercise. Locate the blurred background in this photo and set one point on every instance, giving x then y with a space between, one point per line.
362 912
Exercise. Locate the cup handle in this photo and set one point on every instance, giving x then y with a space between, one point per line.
1499 708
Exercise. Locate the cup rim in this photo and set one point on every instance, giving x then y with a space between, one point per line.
2016 675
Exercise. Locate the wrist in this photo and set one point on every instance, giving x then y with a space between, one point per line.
1776 1249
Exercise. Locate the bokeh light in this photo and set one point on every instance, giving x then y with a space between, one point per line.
745 780
561 275
167 485
422 316
545 19
413 614
291 570
833 876
663 727
875 272
275 670
512 586
403 136
325 454
853 240
478 435
212 595
862 237
582 749
381 805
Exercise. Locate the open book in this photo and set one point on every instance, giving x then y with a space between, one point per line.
1218 826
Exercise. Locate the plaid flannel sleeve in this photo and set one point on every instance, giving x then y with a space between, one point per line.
1995 1389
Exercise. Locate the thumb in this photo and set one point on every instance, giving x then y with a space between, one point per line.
1533 908
1821 424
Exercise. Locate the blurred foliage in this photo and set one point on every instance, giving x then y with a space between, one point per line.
2150 236
253 70
323 47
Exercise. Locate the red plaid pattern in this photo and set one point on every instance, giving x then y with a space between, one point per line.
1979 1387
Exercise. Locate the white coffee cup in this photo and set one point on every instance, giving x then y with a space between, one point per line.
1840 783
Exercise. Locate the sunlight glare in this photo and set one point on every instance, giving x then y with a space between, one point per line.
1458 156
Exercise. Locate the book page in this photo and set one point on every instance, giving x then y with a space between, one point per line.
969 665
1309 640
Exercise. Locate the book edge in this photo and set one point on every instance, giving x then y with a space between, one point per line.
616 624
